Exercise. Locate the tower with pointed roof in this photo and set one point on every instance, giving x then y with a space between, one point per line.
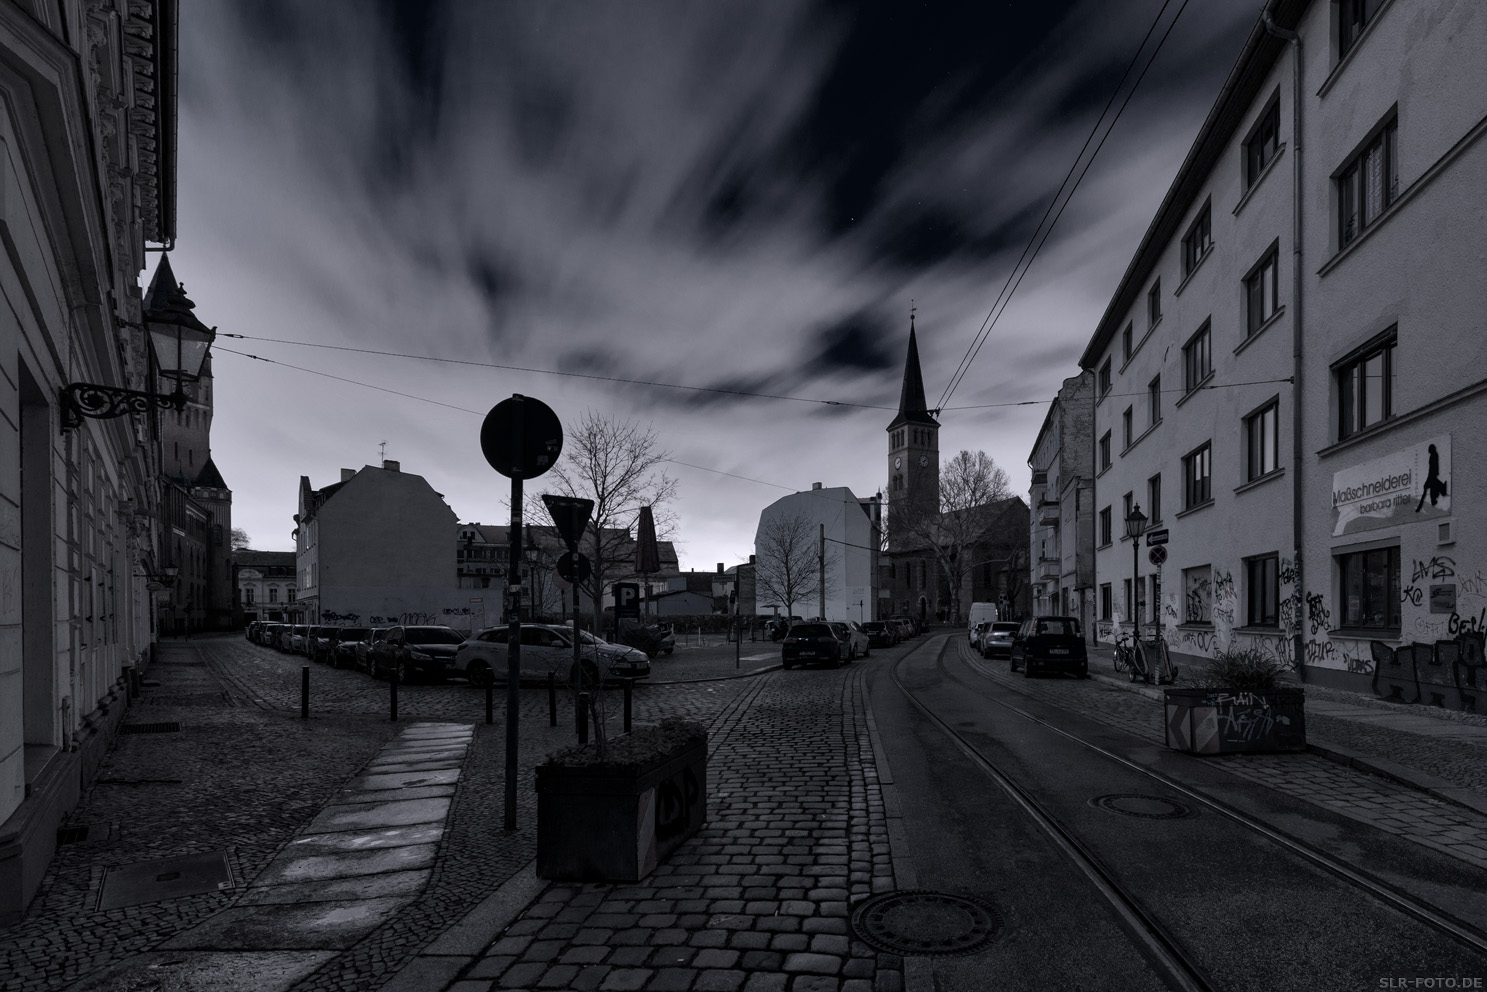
913 443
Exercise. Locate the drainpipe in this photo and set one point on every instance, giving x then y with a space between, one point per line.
1297 645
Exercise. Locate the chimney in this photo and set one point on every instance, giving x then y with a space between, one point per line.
391 466
347 473
720 568
751 559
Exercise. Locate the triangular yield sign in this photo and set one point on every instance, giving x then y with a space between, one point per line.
570 514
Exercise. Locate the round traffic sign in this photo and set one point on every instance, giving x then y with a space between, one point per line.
529 455
575 567
1158 554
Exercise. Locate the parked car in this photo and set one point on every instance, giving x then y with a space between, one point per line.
653 638
320 645
881 633
808 643
910 623
343 648
299 637
996 640
363 648
1049 643
546 649
977 629
416 654
853 636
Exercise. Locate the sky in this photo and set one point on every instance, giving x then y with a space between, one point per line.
731 198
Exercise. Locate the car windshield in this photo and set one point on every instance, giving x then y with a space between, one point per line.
431 635
811 630
1058 626
1004 628
354 633
872 626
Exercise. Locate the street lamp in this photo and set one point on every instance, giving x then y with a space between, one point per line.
180 344
1135 527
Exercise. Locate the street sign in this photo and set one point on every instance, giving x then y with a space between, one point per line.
1156 537
541 437
626 600
1157 555
575 567
571 515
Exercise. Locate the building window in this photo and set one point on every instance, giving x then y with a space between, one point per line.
1197 587
273 594
1367 185
1154 500
291 594
1105 379
1370 587
1197 477
1107 605
1352 17
1126 502
1263 144
1125 420
1154 303
1365 389
1104 526
1262 441
1197 241
1154 400
1262 589
248 594
1260 292
1125 342
1197 359
1130 608
1105 451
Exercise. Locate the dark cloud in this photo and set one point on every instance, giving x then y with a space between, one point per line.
856 343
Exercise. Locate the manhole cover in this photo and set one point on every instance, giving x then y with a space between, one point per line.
163 727
1146 807
918 922
166 878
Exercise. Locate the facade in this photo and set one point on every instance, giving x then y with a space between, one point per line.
1062 497
788 550
88 124
265 584
1285 374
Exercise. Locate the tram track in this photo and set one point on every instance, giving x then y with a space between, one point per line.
1177 963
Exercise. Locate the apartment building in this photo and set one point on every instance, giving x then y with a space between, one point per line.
1284 376
1061 502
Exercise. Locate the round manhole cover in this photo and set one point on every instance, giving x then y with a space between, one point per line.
1146 807
917 922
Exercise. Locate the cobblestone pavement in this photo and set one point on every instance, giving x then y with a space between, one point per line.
759 899
1391 807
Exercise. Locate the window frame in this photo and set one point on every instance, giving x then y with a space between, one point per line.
1107 602
1355 215
1105 453
1350 379
1187 609
1392 580
1252 421
1106 534
1351 30
1154 401
1204 334
1190 482
1154 304
1154 499
1254 282
1262 608
1128 427
1262 146
1105 379
1197 242
1128 341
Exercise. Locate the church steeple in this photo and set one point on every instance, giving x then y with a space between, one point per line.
912 407
913 441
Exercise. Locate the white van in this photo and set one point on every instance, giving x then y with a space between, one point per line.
980 612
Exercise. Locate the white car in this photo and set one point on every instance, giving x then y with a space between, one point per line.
546 649
854 639
996 639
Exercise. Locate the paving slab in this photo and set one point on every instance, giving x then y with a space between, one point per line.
302 868
380 886
402 780
388 814
419 765
365 840
348 797
208 971
327 925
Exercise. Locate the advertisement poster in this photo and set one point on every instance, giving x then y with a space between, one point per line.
1408 486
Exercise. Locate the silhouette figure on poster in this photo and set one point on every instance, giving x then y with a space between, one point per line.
1435 486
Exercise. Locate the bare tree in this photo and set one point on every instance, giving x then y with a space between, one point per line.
788 560
962 525
240 539
617 464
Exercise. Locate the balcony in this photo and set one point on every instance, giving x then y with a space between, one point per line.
1049 568
1047 513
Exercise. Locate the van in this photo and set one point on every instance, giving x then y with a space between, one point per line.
982 612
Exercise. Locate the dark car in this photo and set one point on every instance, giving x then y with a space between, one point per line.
809 643
320 643
416 654
363 648
343 646
881 634
910 624
1049 644
652 638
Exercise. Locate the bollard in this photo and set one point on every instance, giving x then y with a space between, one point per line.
304 693
490 701
392 683
583 718
629 688
552 699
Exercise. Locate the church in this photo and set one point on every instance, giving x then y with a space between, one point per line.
941 557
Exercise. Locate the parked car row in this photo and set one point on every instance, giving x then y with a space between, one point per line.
836 642
431 653
993 638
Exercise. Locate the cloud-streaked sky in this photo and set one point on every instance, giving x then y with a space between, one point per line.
727 194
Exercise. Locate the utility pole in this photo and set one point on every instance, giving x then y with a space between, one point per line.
821 573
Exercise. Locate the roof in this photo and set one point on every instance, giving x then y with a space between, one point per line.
209 477
912 406
248 558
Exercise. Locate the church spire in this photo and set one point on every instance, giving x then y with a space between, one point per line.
912 406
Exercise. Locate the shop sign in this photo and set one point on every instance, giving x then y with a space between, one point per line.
1408 486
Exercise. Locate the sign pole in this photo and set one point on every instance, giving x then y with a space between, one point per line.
513 641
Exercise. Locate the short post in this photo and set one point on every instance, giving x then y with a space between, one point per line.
629 690
583 718
304 693
392 688
552 699
490 701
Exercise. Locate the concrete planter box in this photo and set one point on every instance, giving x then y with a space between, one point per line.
615 824
1229 721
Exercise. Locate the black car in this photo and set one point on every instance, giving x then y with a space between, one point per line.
880 634
1050 644
809 643
416 653
343 647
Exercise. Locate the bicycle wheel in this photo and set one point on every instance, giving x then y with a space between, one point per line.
1140 666
1118 656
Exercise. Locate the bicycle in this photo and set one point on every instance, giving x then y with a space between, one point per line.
1127 657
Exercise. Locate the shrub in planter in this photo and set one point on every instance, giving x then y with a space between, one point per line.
614 813
1244 703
